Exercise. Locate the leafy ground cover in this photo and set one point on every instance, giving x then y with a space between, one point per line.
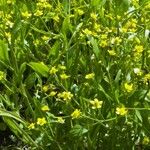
75 74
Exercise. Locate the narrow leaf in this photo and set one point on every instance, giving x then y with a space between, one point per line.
4 52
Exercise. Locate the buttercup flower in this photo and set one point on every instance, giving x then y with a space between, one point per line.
45 108
53 70
45 38
138 71
121 111
65 95
116 40
41 121
87 32
96 103
62 67
93 16
26 14
64 76
2 75
146 140
147 77
56 18
31 126
38 13
52 93
112 52
90 76
60 120
128 87
103 43
80 12
45 88
76 114
138 48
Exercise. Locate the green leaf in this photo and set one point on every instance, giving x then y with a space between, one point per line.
66 25
122 6
98 3
3 126
39 31
65 4
102 90
6 100
78 131
118 76
4 52
23 68
17 129
14 115
96 50
40 68
55 49
137 112
30 80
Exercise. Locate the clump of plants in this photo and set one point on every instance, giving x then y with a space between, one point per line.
75 74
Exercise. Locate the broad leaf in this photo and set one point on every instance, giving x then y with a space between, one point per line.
39 68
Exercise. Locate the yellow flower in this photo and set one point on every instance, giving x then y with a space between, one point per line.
121 111
9 23
137 40
38 13
36 42
42 1
103 43
2 75
87 32
116 40
76 114
53 70
112 52
96 103
45 108
41 121
8 35
138 48
80 12
131 23
109 16
97 27
43 4
128 87
93 16
26 14
147 6
31 126
56 18
124 29
65 95
104 36
52 93
45 88
135 3
64 76
10 2
138 71
118 17
147 77
90 76
45 38
62 67
146 141
60 120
